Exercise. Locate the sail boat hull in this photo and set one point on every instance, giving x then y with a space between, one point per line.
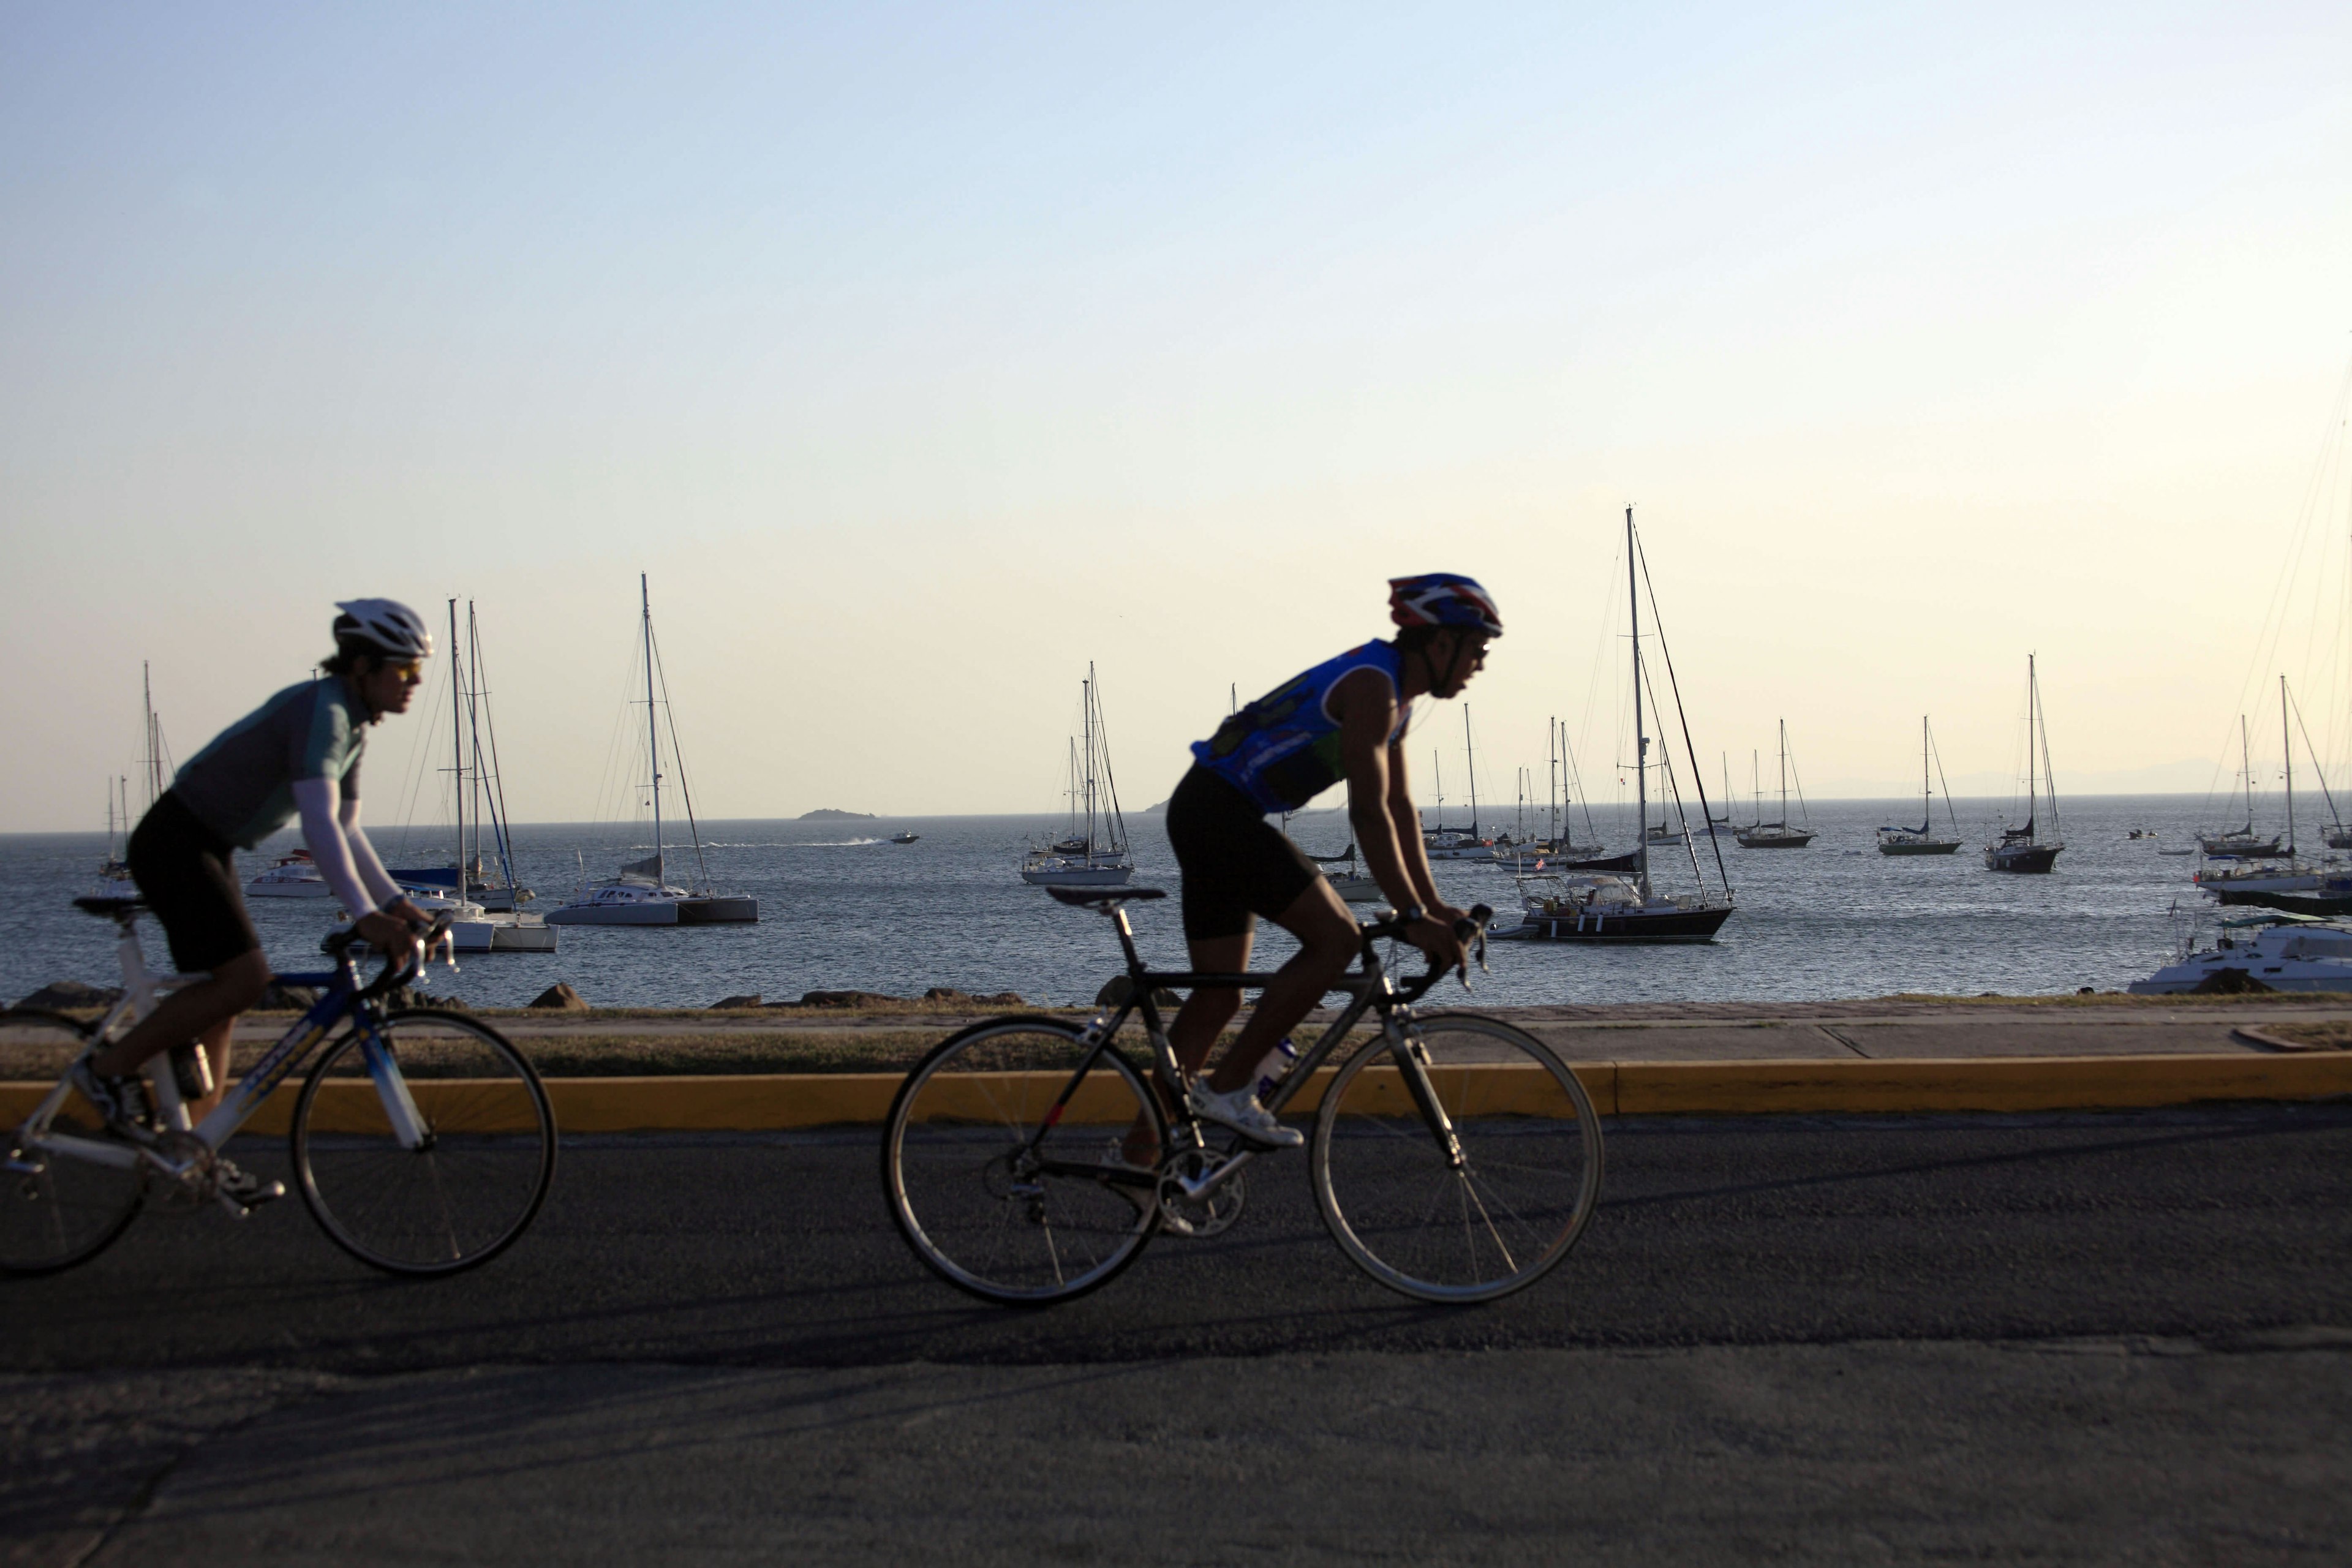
2028 858
1919 846
1076 876
1674 924
650 912
717 911
1775 838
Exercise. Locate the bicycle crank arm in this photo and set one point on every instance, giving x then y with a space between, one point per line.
1209 1180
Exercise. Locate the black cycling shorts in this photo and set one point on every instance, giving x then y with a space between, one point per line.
187 874
1235 863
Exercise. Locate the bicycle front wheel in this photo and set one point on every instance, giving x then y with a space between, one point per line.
56 1210
1482 1216
996 1192
424 1144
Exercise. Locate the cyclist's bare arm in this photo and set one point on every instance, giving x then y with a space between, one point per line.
1380 810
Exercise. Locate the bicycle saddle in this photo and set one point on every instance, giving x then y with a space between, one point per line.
1103 898
112 908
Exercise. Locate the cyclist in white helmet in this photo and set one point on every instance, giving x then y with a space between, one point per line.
295 755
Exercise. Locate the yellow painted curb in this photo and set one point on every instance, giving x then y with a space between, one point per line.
757 1103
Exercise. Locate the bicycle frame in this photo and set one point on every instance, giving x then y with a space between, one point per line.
1371 987
341 998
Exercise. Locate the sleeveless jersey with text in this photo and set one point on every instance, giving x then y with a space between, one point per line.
1283 749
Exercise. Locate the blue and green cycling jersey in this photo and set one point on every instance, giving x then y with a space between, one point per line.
242 785
1283 749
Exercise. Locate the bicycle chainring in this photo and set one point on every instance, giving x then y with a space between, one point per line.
1207 1215
199 1177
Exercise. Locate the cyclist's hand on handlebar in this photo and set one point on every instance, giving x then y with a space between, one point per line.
386 929
1433 935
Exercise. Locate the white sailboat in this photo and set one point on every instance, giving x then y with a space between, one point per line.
643 895
483 907
480 871
1095 853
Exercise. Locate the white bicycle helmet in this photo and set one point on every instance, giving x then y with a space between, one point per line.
381 627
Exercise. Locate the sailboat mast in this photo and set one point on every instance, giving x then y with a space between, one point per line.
653 730
1085 695
2245 770
154 763
2032 788
1640 741
457 749
1471 753
2287 741
1784 773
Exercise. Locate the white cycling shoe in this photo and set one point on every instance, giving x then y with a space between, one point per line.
1239 1112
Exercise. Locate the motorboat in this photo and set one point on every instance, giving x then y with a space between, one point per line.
2276 952
295 876
904 837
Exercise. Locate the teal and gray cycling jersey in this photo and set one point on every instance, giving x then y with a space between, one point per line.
1283 749
242 785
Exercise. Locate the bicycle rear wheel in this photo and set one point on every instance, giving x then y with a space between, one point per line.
997 1194
1423 1222
56 1211
474 1182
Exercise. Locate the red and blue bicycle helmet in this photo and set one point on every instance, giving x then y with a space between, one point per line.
1443 599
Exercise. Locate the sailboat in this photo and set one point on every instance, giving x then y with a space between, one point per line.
2233 881
472 736
642 894
483 904
1443 843
2020 849
114 880
1557 850
1763 834
1919 840
1097 855
2243 842
1602 908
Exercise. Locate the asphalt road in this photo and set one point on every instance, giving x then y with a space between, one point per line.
2071 1337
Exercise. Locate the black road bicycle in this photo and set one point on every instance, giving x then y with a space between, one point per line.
1454 1157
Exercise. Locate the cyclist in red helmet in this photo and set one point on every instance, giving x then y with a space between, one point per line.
1345 719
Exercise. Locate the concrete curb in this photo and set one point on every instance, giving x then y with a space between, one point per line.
777 1101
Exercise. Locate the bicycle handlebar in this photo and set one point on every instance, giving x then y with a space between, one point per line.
399 969
1471 928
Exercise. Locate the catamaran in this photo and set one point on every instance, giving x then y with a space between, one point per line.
1095 853
643 895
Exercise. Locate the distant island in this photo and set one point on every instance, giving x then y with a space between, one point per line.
828 814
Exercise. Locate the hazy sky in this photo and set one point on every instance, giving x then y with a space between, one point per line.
922 353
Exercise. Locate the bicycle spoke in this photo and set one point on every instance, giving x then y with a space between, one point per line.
1485 1225
1031 1219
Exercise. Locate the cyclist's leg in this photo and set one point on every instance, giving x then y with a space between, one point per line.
1327 942
189 882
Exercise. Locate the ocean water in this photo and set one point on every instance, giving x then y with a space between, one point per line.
841 908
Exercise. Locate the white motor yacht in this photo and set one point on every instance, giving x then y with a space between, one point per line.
2281 953
294 877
